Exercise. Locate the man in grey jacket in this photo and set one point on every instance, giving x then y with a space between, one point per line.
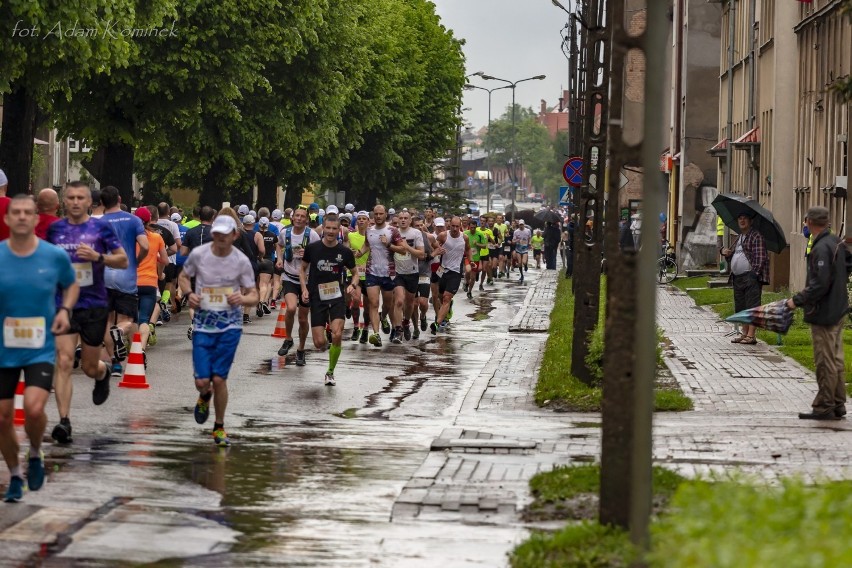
825 303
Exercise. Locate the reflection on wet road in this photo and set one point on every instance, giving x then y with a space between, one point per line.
313 473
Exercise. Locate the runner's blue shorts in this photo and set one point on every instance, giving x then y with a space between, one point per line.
213 353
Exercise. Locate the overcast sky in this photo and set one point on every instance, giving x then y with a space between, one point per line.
511 39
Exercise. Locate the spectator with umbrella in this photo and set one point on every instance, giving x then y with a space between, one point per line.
825 303
748 259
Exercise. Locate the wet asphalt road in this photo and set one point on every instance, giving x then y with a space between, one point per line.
311 477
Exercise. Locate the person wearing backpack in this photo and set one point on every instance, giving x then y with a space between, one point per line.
826 303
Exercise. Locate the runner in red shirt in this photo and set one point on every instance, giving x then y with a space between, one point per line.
48 204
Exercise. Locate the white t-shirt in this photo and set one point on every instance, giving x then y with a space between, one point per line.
217 277
381 263
522 237
405 263
173 229
292 266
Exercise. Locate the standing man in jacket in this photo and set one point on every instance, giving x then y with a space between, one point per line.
825 302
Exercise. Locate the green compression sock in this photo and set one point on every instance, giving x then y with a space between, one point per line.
166 296
333 356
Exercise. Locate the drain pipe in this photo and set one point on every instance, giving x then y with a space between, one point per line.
732 12
754 169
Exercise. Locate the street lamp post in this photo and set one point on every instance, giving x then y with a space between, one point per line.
514 157
490 174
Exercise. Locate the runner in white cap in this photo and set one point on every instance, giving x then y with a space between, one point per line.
349 208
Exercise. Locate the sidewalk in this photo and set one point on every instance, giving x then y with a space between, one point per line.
746 403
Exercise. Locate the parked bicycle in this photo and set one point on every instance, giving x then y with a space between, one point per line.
666 264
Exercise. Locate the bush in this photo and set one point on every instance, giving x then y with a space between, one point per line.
586 544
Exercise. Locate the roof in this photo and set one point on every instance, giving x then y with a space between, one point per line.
720 148
750 138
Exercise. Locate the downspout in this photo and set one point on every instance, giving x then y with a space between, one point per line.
732 12
754 171
675 185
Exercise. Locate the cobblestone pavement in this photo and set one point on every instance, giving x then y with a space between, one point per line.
746 399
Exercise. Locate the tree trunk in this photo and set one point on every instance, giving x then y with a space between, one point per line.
117 170
267 192
16 145
212 190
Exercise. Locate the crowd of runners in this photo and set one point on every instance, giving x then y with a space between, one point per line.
77 289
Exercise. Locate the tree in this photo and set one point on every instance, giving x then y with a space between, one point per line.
48 47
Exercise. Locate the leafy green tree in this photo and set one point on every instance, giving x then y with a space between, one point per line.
50 47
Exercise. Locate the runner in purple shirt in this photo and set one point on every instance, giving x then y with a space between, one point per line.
91 245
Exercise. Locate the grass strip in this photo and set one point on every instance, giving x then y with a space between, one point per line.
556 385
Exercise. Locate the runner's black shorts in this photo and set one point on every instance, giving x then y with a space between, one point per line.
536 253
450 282
423 290
170 273
122 303
36 375
326 312
290 288
407 281
266 266
91 324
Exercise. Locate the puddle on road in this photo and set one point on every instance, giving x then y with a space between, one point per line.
484 307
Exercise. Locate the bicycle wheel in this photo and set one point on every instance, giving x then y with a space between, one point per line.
666 270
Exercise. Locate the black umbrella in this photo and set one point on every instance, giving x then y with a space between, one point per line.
548 216
730 206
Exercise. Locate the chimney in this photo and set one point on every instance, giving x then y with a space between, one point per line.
543 107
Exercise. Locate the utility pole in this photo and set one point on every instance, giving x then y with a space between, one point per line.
587 255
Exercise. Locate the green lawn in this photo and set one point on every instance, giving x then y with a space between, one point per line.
557 387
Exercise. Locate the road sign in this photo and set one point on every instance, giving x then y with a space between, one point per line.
566 195
573 171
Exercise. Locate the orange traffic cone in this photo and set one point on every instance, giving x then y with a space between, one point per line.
19 417
281 325
134 373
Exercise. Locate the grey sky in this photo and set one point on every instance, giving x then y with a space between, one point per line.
511 39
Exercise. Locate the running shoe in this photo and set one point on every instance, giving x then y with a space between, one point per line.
189 332
376 340
266 310
258 311
300 358
78 354
490 281
202 408
465 287
423 324
285 347
433 327
470 295
165 313
101 391
356 335
15 491
482 288
386 328
396 336
118 343
35 471
416 334
406 332
62 432
116 370
329 380
152 335
443 326
499 275
246 318
364 337
272 304
220 438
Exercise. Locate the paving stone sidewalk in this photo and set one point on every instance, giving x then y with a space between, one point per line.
746 399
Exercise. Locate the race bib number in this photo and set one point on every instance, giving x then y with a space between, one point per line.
84 273
401 257
424 280
298 252
440 272
329 291
216 299
24 333
507 248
